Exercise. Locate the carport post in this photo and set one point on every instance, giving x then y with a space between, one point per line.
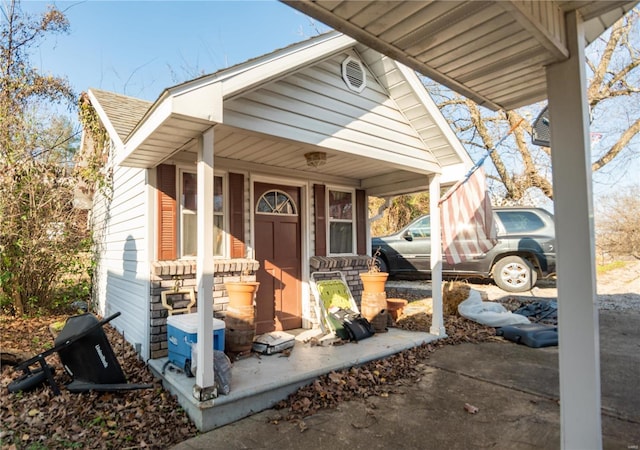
437 320
579 353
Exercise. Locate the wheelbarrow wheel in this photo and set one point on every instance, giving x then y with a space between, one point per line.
29 381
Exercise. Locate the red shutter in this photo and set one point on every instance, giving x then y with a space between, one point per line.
361 222
236 217
167 213
320 219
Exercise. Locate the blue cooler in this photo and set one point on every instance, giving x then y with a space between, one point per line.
182 331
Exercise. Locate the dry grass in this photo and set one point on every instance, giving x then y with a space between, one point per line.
453 293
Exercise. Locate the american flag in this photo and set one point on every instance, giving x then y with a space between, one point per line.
468 228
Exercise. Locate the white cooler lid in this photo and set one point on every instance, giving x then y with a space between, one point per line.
189 322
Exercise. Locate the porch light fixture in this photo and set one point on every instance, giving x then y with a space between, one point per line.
316 159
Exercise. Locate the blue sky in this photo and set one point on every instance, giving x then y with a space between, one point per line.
139 48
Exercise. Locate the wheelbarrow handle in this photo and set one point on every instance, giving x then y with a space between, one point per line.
40 356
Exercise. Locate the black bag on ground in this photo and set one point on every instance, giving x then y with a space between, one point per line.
350 325
540 312
533 335
359 328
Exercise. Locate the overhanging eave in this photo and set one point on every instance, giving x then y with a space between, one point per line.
174 122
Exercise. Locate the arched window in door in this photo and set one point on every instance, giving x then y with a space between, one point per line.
276 202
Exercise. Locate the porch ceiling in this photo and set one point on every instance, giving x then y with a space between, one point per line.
251 151
176 139
175 133
493 52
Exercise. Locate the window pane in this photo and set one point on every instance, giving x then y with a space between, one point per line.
218 235
190 241
189 191
190 216
189 234
265 205
421 229
341 237
218 200
520 221
340 205
284 204
275 202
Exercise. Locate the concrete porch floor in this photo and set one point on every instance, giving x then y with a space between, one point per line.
260 381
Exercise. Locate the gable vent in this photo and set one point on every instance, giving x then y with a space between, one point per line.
353 74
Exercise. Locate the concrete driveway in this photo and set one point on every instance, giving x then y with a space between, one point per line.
514 388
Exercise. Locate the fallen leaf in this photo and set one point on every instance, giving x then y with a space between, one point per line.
138 413
335 377
470 408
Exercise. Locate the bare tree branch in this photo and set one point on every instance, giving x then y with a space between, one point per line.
613 89
620 145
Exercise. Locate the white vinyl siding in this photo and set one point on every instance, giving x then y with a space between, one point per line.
315 106
122 275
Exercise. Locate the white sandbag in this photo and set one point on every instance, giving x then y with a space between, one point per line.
488 313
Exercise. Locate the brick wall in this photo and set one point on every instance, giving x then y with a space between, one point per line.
350 266
165 275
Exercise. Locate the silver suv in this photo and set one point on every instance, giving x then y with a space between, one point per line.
524 253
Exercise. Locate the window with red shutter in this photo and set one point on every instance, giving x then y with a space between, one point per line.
167 212
236 215
180 216
361 221
319 194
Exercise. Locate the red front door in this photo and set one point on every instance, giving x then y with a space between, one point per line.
277 233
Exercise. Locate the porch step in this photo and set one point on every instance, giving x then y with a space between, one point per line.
261 381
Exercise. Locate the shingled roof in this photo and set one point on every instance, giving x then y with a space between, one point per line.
123 111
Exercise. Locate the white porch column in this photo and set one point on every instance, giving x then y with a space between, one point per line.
204 388
437 320
577 308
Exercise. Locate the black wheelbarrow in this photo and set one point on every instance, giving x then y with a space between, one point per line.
86 356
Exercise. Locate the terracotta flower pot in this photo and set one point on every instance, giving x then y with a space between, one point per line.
241 293
395 306
374 282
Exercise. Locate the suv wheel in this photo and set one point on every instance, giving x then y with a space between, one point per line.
382 265
514 274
